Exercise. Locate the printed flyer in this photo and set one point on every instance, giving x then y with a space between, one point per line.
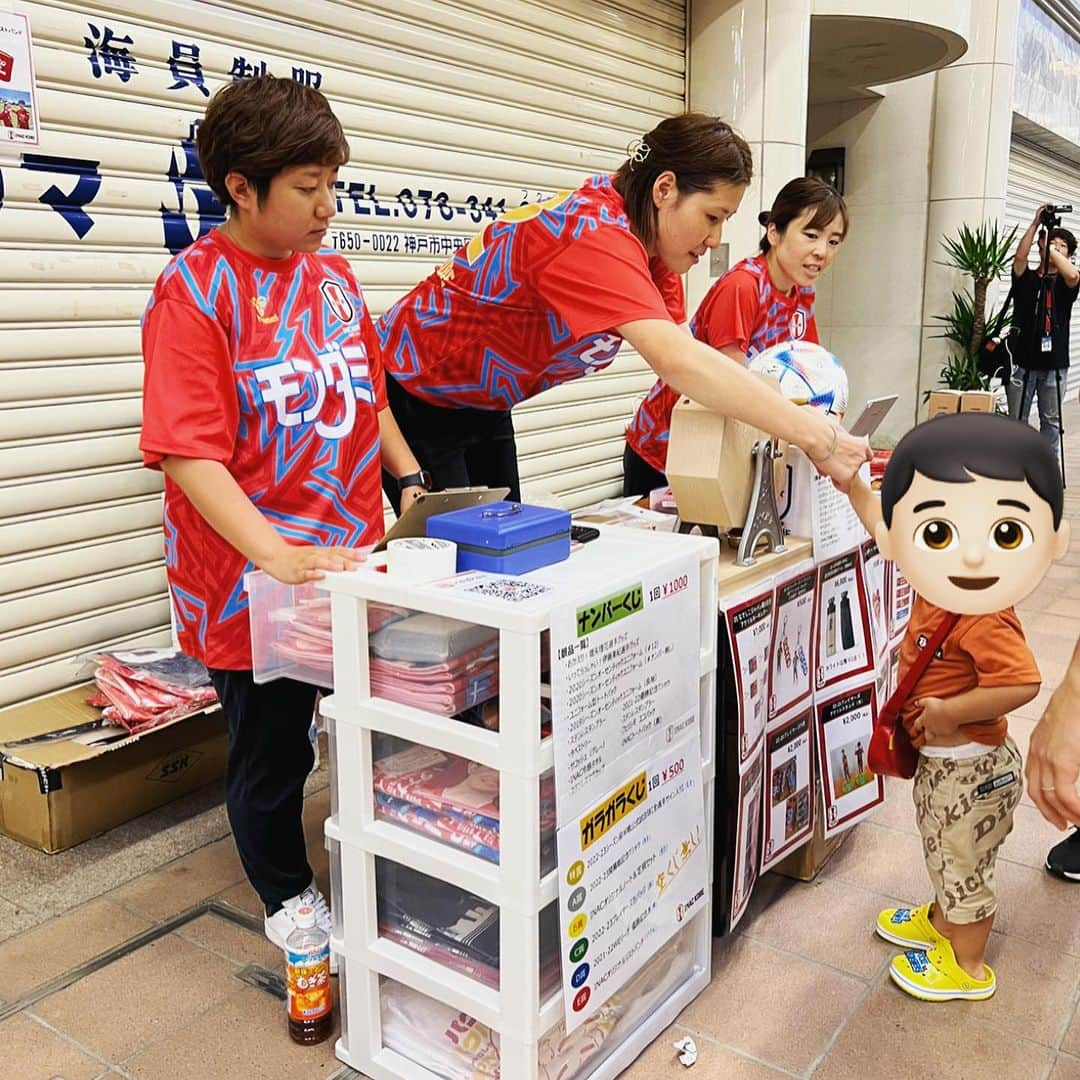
20 123
845 722
789 789
620 691
843 633
894 666
634 869
837 527
873 573
900 601
792 654
749 626
747 836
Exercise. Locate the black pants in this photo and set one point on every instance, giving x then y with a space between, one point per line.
459 447
270 757
639 477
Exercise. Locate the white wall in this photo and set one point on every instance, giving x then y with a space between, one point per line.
749 65
870 303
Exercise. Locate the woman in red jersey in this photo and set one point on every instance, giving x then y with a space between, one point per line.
549 292
760 302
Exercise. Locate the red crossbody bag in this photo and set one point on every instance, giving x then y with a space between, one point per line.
891 752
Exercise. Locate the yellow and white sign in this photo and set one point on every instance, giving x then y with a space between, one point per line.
633 871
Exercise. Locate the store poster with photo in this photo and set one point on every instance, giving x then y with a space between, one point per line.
873 567
789 786
900 598
747 835
749 618
792 653
843 630
894 666
20 123
844 720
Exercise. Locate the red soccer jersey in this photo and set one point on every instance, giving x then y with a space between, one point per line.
744 308
271 367
530 302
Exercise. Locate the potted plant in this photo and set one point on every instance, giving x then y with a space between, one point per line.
983 254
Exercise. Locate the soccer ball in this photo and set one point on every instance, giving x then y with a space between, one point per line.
808 375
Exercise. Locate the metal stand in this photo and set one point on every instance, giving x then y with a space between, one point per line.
1061 429
762 517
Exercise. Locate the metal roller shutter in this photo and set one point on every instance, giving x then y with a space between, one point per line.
455 111
1037 176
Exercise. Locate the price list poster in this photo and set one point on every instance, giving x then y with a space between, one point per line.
633 865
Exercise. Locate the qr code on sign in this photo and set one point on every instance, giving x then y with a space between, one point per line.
513 590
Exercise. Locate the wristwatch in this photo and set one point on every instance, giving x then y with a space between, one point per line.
416 479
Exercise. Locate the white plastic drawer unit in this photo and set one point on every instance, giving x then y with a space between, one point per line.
442 811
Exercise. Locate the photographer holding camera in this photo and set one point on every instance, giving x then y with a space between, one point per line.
1042 306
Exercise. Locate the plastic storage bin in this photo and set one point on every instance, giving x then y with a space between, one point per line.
518 1019
453 1045
505 537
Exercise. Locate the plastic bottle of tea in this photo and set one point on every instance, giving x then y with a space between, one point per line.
307 974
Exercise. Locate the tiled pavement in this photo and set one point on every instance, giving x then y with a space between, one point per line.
800 990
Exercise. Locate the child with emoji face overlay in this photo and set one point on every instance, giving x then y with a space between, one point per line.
971 513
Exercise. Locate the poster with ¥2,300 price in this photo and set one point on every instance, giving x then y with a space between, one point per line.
624 680
633 871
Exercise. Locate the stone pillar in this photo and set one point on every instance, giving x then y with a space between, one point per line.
749 65
969 161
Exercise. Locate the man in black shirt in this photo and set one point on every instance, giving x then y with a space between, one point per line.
1042 307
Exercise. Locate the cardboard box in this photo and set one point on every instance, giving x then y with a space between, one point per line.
977 401
710 467
56 794
805 863
943 401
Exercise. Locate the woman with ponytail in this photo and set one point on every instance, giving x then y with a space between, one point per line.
760 302
548 293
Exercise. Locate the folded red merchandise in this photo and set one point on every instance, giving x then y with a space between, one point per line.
483 973
305 636
417 671
444 782
438 781
139 701
443 701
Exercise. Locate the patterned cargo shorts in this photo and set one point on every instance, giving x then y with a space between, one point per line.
964 810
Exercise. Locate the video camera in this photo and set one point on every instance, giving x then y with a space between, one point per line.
1050 218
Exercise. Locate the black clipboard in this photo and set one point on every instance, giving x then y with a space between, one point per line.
414 521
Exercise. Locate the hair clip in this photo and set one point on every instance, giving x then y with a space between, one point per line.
638 150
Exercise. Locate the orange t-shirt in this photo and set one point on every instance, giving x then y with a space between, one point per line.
981 650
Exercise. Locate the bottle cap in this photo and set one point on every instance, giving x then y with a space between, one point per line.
305 917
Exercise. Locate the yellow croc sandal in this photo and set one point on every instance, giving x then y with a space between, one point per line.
936 976
910 928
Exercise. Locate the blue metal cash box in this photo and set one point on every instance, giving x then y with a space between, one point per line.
504 537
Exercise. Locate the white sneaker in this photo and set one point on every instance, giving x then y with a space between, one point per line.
283 922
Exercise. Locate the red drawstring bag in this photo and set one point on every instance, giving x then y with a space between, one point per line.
890 752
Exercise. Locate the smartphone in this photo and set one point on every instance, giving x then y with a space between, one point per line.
875 410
